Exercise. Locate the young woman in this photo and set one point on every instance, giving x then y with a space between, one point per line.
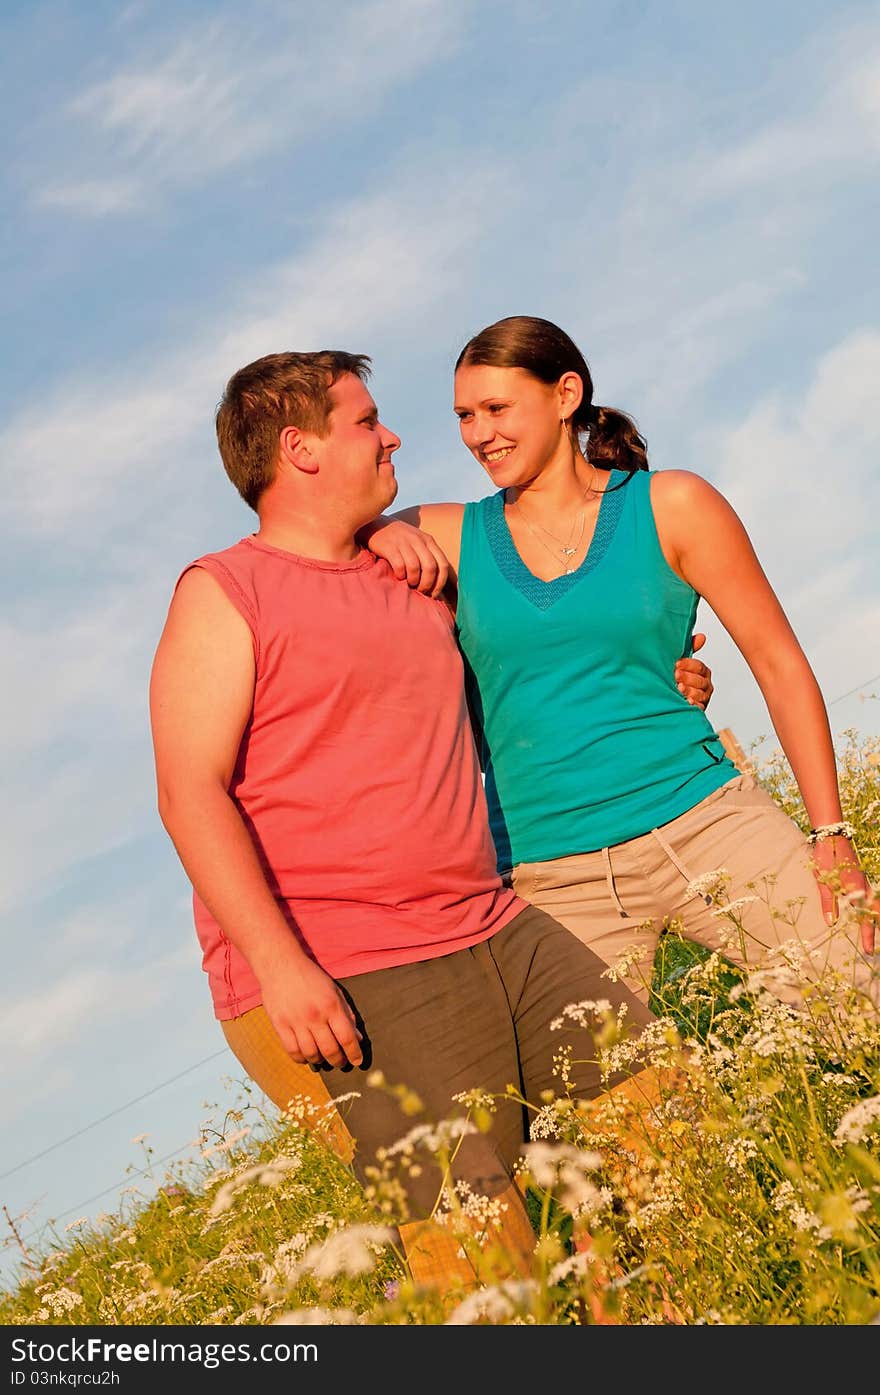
577 583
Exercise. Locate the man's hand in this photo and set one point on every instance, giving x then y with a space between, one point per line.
412 555
693 678
310 1014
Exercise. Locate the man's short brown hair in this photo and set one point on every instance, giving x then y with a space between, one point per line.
265 396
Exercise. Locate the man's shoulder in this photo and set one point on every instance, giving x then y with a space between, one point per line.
230 567
238 560
229 556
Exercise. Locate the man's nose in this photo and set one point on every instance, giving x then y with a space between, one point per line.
389 440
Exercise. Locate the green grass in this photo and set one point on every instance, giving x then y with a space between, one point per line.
753 1198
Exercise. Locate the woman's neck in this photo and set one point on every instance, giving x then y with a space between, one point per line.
564 485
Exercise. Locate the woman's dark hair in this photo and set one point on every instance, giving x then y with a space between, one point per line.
546 351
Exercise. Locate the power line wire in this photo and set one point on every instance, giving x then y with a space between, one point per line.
857 689
142 1172
119 1110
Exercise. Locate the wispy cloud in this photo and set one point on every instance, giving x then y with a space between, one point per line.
235 92
838 130
106 464
374 260
807 460
93 198
801 472
82 1003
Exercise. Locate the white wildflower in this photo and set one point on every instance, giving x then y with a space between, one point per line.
269 1174
226 1143
566 1169
549 1121
216 1176
627 960
577 1264
708 885
484 1212
432 1137
316 1317
62 1301
583 1014
284 1268
859 1121
256 1314
739 1151
734 907
788 1203
351 1250
75 1225
505 1300
477 1099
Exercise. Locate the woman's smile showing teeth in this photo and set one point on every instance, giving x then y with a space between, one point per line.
493 456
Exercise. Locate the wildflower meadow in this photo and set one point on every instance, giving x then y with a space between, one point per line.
746 1190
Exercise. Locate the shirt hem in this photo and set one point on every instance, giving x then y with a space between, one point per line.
567 848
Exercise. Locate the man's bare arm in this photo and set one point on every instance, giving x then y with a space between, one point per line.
201 692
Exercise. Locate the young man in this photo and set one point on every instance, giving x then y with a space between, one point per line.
317 775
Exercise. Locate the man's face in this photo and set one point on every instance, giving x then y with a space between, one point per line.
355 455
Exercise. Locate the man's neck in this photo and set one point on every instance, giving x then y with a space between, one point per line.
320 539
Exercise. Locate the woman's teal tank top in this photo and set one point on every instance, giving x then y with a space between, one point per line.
585 739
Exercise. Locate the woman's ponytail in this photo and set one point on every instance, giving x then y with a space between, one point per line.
614 442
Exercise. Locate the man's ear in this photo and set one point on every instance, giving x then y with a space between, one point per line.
294 450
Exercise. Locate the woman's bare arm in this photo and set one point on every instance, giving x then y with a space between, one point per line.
705 542
421 544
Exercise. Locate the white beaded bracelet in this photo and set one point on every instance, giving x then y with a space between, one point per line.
831 830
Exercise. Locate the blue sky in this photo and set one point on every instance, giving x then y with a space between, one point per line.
690 190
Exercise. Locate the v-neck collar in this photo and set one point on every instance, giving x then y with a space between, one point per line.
543 594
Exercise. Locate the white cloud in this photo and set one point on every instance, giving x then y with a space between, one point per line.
809 463
100 448
69 809
81 672
93 198
83 1002
101 467
801 473
233 92
840 130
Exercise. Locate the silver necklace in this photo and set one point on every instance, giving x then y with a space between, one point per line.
565 551
568 549
566 569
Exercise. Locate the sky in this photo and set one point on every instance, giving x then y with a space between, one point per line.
690 190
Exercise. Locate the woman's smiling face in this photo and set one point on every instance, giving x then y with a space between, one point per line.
510 421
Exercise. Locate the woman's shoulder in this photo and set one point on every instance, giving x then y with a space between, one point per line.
682 500
444 523
442 514
678 485
680 492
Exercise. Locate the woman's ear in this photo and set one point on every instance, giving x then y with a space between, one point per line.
570 389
